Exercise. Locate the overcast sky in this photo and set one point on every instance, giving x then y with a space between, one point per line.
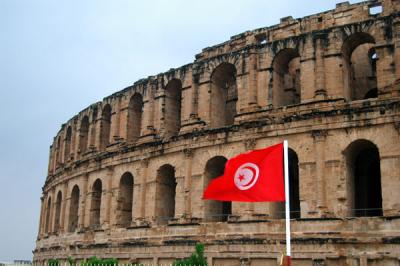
58 57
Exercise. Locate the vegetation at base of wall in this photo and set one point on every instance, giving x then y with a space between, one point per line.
196 259
53 262
71 261
94 261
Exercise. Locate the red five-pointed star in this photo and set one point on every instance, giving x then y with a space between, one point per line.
241 177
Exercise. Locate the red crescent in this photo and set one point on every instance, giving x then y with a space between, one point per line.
254 175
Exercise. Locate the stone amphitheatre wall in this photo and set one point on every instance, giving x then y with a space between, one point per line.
126 175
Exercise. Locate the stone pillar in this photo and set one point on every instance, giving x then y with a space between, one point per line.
123 122
334 73
396 31
51 158
108 198
320 91
82 203
204 103
95 130
307 67
390 176
148 129
63 207
66 213
115 119
319 148
252 82
141 206
53 210
188 182
40 231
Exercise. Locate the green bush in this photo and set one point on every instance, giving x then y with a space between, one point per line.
196 259
53 262
71 261
94 261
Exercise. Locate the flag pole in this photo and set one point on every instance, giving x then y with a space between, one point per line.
287 201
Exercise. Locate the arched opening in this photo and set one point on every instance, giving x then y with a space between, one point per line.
73 209
125 200
364 179
294 188
359 68
216 211
165 193
135 110
172 113
278 209
83 134
95 204
48 212
286 78
68 138
58 212
224 95
105 127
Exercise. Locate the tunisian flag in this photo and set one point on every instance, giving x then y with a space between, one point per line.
255 176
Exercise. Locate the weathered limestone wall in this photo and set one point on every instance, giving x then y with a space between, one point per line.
314 81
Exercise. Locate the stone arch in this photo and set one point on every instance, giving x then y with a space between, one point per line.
84 134
172 108
363 179
68 139
286 88
74 209
135 112
47 226
125 200
224 95
165 193
57 218
216 210
359 66
105 126
95 204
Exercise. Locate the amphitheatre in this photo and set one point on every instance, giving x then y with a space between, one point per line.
126 175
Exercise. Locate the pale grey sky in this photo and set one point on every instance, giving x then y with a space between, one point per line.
57 57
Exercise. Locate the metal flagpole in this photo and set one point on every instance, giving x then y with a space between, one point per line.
287 201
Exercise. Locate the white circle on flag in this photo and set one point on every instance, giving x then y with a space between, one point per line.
246 176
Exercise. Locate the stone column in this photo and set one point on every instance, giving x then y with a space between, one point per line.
108 198
144 164
396 31
320 91
319 148
194 97
53 210
40 231
115 122
123 122
334 73
188 182
253 81
95 130
82 203
63 207
307 67
148 130
390 176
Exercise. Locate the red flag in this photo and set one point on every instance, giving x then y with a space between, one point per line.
255 176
